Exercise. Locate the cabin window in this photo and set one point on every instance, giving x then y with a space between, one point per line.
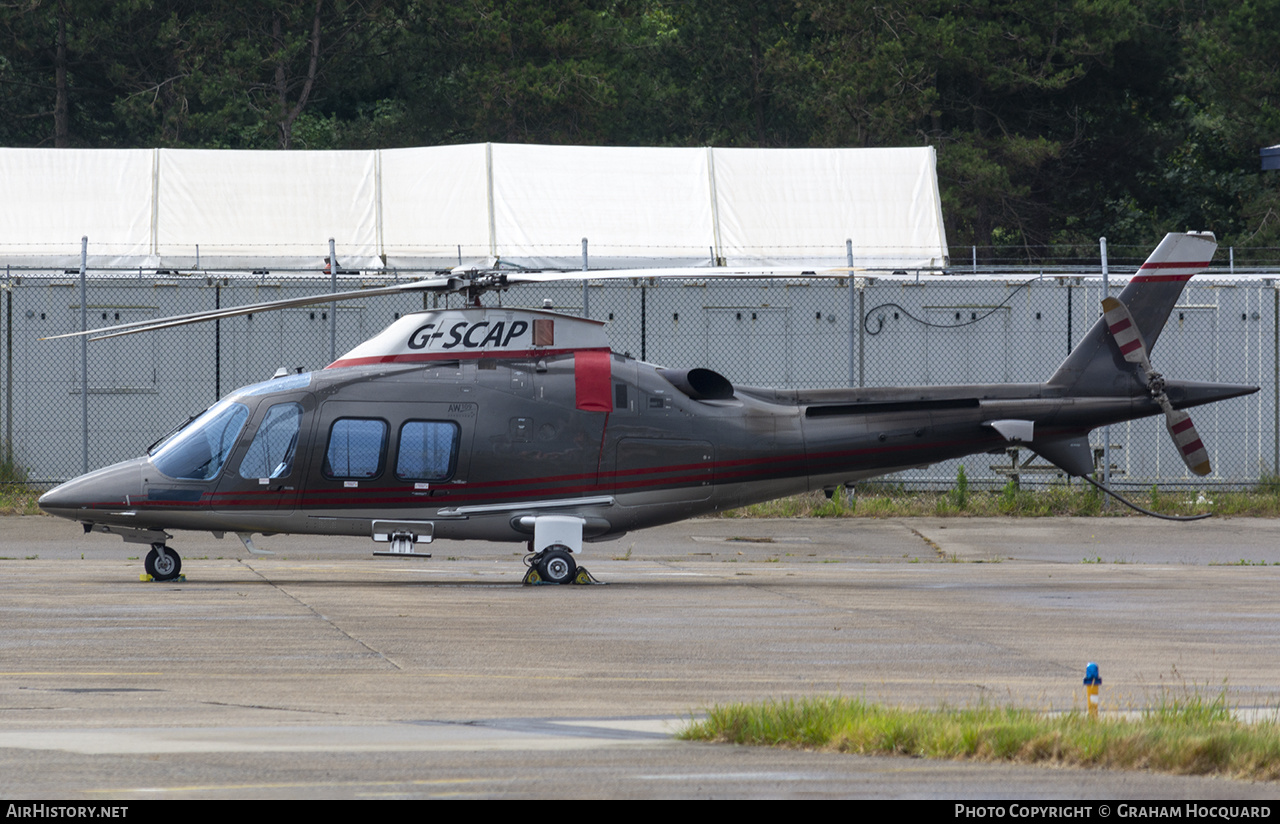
198 452
428 450
356 447
271 453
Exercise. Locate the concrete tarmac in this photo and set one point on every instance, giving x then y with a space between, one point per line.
322 672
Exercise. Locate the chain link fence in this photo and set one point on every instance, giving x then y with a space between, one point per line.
821 332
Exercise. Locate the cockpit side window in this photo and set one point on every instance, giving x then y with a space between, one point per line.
275 443
356 448
198 452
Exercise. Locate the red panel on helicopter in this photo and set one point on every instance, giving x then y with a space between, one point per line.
591 377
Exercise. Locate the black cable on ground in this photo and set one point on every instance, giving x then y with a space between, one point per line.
1137 508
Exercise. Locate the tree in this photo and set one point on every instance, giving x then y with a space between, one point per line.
1232 105
513 70
1011 78
52 87
237 75
860 73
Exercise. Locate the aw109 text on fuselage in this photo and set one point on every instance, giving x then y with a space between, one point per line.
504 424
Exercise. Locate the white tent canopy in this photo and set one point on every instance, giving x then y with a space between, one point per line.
437 207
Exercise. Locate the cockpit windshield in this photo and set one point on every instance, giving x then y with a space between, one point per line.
198 452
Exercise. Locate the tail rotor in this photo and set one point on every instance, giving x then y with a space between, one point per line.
1127 336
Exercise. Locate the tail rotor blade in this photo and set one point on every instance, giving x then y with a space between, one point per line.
1185 437
1125 331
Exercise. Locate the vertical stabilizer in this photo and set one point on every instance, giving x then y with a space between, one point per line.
1097 366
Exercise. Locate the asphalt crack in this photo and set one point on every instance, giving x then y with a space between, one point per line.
326 619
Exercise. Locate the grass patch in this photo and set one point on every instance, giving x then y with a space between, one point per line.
18 500
17 497
1191 736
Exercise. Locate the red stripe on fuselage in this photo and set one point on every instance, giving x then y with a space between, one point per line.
743 470
426 357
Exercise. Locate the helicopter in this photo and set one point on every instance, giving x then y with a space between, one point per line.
523 425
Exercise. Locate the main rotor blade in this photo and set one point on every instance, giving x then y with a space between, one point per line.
513 278
426 285
456 281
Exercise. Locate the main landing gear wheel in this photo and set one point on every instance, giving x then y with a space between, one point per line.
556 566
162 567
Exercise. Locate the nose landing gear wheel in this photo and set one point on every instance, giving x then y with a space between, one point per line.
162 567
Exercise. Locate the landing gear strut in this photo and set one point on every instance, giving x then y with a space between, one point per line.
162 563
555 540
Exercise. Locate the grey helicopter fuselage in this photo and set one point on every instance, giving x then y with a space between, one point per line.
506 424
471 438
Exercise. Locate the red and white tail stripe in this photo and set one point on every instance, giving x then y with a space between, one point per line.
1178 257
1123 329
1188 441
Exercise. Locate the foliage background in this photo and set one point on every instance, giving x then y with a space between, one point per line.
1055 122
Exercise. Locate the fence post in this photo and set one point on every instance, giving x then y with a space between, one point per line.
8 366
862 335
1106 430
586 307
84 359
333 307
1067 283
855 316
644 323
217 341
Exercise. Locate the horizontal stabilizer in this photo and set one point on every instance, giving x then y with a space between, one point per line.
1071 454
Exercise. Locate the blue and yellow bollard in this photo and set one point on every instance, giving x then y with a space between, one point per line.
1091 683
